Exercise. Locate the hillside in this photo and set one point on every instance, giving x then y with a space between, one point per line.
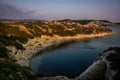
17 33
92 22
20 40
12 71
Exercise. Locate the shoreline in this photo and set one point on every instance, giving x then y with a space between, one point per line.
36 45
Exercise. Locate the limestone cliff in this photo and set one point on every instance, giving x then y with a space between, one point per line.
105 67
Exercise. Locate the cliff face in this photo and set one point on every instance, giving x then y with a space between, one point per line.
106 67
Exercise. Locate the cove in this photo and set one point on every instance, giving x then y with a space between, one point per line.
72 59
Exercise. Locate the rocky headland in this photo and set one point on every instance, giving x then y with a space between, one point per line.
105 67
22 40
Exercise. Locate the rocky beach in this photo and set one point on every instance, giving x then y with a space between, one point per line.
35 45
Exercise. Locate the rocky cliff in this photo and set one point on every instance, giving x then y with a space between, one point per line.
105 67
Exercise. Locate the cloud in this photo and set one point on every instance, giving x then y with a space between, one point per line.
14 12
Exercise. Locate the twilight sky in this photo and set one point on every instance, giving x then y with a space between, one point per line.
60 9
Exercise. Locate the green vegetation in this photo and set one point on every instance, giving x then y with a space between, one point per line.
91 30
10 35
7 29
12 40
84 21
3 52
60 30
12 71
114 58
38 28
18 33
33 29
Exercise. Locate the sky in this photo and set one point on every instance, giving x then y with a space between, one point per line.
61 9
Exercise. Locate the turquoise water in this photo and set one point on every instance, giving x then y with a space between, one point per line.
72 59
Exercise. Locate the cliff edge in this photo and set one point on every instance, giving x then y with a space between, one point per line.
105 67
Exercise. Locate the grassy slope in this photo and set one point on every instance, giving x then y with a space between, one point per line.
18 33
12 71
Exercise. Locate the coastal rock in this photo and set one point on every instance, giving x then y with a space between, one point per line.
95 72
12 49
106 67
12 52
101 69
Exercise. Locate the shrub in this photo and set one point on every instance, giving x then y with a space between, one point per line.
3 52
114 58
11 71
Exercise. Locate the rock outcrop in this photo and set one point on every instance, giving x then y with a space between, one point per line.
106 67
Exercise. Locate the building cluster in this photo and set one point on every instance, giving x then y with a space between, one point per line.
62 23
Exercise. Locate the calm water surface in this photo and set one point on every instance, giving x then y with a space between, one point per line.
71 60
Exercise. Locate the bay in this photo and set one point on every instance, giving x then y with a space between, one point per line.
72 59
